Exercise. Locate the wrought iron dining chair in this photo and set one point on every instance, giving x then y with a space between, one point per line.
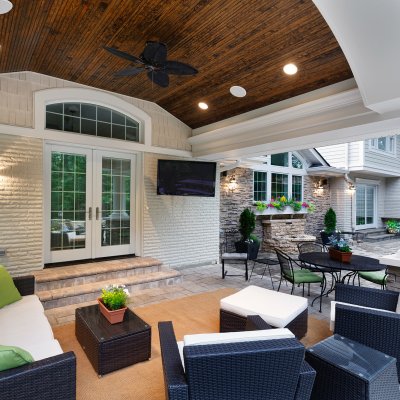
378 277
230 255
291 272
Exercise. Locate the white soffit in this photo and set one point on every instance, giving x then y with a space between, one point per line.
368 32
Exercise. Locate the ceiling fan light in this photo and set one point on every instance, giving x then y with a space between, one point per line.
290 69
5 6
203 106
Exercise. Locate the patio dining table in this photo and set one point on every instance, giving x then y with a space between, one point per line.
321 262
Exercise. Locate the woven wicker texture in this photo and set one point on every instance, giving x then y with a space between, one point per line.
231 322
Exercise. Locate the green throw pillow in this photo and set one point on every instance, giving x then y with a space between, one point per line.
12 357
8 292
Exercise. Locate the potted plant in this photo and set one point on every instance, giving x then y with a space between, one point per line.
339 249
248 243
392 226
112 303
329 227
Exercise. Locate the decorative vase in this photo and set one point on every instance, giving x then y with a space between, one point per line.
113 316
338 255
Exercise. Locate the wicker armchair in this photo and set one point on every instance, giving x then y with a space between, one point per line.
53 378
265 369
376 328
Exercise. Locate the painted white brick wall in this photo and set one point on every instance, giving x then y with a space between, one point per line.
179 230
16 107
21 222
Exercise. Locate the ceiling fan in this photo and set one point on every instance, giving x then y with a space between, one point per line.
153 60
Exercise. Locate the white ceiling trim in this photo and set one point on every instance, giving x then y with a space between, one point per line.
335 119
368 32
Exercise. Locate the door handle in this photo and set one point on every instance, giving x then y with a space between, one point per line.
97 213
90 213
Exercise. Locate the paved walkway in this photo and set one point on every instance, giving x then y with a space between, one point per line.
199 279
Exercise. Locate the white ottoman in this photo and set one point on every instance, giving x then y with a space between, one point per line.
279 310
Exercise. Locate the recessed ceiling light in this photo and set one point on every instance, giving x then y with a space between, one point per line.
203 105
290 69
238 91
5 6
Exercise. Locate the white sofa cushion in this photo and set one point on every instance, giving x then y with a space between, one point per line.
28 304
333 311
235 337
44 349
277 309
203 339
21 329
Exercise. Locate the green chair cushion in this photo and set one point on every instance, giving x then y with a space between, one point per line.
378 277
12 357
304 276
8 292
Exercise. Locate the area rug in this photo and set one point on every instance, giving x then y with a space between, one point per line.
193 314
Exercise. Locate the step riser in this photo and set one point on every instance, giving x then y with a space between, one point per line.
82 298
58 284
371 240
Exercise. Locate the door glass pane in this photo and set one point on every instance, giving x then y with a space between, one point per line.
369 207
365 204
116 183
68 201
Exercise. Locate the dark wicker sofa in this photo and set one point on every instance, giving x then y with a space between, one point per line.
271 369
52 378
374 328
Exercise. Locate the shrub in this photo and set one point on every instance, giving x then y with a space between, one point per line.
330 221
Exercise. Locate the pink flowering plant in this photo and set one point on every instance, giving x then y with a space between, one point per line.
283 202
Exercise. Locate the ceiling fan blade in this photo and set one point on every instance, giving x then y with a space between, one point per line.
179 68
124 55
161 78
155 53
130 71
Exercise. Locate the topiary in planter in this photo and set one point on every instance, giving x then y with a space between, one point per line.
330 221
248 243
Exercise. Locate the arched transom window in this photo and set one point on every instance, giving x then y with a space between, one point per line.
91 119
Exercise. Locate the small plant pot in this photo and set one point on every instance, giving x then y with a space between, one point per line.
113 316
337 255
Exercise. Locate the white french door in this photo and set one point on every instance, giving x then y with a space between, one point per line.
365 206
89 203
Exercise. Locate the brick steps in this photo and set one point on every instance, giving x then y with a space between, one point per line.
82 283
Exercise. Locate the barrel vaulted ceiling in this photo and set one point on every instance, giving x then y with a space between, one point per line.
230 42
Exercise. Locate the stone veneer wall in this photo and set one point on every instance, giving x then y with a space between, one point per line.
321 198
21 204
232 204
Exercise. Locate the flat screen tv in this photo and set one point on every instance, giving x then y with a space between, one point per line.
186 178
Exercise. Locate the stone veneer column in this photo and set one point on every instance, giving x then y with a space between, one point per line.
233 203
322 201
393 280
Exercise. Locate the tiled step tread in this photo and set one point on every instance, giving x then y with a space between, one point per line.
47 295
80 270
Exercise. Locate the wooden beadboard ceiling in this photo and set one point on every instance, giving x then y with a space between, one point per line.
230 42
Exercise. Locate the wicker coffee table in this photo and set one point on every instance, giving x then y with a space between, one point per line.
111 347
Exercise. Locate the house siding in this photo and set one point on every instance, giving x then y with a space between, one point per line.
341 202
335 155
21 204
179 230
16 107
382 161
392 198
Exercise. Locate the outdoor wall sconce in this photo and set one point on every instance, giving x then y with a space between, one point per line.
232 184
321 184
352 187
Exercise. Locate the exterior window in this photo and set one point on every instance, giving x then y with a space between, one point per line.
281 159
297 188
90 119
386 144
260 186
296 163
279 185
